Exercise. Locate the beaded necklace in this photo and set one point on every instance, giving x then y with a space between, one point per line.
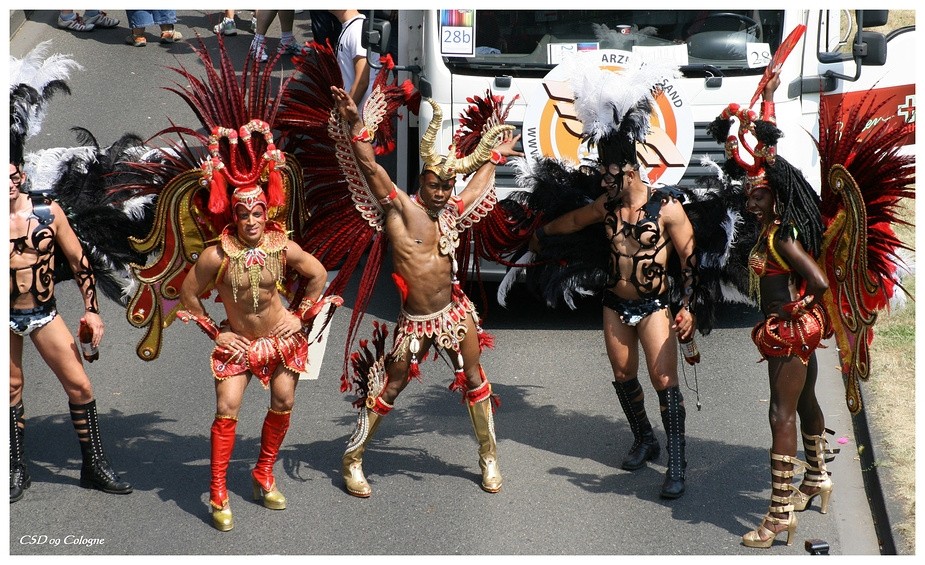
269 253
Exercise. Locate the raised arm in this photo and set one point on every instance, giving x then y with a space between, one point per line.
483 179
377 178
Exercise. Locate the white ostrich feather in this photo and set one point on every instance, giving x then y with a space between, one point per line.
45 167
37 71
603 97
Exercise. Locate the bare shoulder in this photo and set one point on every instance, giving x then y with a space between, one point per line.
295 252
60 218
210 258
673 210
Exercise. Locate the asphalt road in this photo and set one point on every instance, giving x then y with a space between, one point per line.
560 430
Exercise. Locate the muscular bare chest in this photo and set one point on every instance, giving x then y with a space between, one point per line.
639 250
32 260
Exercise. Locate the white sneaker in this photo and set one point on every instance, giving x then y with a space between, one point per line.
75 24
227 27
258 51
101 20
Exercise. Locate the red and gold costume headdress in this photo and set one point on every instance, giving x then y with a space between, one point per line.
763 153
202 177
242 171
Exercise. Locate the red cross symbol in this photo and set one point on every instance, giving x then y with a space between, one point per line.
907 110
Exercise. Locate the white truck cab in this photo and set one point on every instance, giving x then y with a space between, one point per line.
721 54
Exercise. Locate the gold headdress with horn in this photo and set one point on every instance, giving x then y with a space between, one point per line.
448 166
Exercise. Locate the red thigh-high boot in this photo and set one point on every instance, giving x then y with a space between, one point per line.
352 463
223 434
478 401
275 426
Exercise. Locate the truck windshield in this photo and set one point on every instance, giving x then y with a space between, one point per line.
530 42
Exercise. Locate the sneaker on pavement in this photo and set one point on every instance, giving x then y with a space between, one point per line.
74 24
227 27
291 48
136 40
258 52
171 36
102 20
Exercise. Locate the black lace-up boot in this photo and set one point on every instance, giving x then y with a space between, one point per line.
673 415
645 446
19 475
96 471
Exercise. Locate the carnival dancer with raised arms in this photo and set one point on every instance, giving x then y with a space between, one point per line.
424 231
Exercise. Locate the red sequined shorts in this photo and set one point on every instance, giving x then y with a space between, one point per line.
776 337
263 357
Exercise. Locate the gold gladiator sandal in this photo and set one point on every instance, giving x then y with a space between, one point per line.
352 462
484 425
781 488
816 476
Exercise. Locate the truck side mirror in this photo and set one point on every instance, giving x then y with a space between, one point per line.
376 35
875 18
868 48
875 44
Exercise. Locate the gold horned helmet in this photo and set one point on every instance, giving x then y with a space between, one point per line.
448 166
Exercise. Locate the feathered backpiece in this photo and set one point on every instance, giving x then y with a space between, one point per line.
724 235
346 221
491 229
567 267
383 103
86 181
81 178
195 181
482 114
614 107
866 176
34 80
